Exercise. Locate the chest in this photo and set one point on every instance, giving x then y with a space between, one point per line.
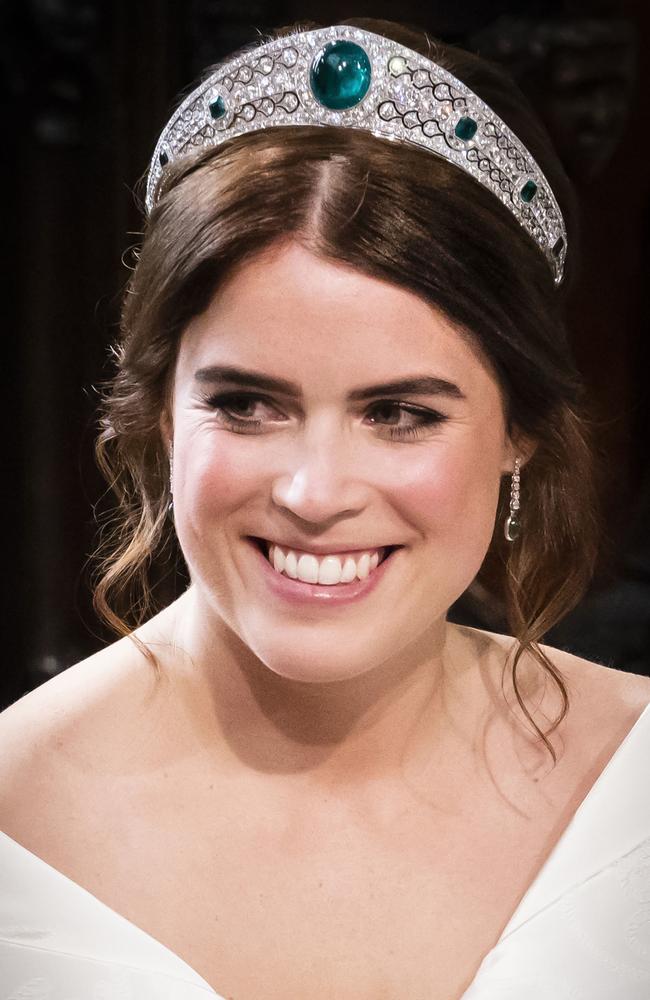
265 908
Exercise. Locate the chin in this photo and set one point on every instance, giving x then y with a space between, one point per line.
313 667
310 671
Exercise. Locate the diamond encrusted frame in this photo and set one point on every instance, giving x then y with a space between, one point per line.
410 99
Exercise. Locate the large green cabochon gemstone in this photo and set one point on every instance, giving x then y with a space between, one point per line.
340 75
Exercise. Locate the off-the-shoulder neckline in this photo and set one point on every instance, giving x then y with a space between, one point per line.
198 980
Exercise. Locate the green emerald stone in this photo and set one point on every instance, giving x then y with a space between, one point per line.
340 75
217 107
528 191
466 129
164 159
512 527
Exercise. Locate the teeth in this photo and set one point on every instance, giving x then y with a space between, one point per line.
278 558
290 565
349 570
308 569
328 570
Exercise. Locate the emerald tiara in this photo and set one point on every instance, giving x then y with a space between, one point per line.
349 78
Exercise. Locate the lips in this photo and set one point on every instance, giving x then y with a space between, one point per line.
305 595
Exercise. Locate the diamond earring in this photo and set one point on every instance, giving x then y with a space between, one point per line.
171 477
512 528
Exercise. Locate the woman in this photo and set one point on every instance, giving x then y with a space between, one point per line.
344 388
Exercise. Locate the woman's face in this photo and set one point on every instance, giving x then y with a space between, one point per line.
334 465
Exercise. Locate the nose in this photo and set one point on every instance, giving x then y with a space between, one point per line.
322 479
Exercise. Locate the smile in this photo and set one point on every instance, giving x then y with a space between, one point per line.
334 578
329 570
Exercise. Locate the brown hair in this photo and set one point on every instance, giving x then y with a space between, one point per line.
400 214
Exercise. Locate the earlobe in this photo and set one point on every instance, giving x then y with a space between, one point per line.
519 447
525 451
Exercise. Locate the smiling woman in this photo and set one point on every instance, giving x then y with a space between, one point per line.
343 395
387 213
339 467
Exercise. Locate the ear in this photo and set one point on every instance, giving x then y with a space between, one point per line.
517 445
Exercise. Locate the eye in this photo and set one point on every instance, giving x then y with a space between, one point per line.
240 404
235 409
425 418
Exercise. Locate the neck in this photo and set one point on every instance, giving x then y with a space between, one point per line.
341 734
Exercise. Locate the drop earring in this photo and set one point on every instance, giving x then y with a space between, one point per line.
512 528
170 506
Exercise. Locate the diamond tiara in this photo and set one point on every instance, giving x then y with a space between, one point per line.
350 78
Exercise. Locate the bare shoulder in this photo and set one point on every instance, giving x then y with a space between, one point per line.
106 690
599 685
68 733
81 691
586 673
604 701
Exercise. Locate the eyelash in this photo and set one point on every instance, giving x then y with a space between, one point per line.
220 402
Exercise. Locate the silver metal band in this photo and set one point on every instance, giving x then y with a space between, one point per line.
383 88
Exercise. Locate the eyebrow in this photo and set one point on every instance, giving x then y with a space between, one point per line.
417 385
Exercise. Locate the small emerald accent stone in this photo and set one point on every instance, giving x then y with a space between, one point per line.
164 159
558 247
340 75
528 191
217 107
465 129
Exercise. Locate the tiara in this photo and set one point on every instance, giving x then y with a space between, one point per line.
350 78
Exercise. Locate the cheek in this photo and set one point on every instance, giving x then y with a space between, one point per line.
219 472
452 491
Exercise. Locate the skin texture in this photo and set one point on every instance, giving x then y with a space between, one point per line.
325 470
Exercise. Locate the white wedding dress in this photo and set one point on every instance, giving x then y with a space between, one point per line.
581 931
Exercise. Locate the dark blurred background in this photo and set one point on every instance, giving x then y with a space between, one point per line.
87 87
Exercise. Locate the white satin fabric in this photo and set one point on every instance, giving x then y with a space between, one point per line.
581 932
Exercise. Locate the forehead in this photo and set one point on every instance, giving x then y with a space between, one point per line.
327 325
